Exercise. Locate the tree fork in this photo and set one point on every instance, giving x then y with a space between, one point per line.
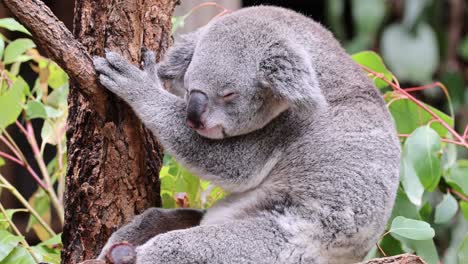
113 161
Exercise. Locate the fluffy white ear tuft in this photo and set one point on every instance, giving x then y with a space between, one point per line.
286 69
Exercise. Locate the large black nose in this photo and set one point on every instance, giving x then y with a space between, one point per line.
197 105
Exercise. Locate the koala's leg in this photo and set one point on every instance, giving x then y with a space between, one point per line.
248 241
152 222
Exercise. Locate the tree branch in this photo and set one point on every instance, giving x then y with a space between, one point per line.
399 259
60 45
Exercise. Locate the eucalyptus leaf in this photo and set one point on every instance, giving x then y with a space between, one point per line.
410 182
13 25
421 152
457 176
408 116
16 48
8 242
412 57
11 103
368 15
57 76
4 224
446 209
411 229
373 61
19 255
35 109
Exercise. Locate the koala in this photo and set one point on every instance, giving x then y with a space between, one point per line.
272 109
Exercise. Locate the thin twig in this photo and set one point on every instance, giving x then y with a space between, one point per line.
26 204
43 168
460 140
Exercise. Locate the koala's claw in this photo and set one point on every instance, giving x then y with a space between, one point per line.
121 253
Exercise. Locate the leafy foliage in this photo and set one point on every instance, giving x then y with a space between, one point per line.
19 105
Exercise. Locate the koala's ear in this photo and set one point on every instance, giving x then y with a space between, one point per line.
174 64
286 69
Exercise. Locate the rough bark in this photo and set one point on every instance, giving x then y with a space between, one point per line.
113 161
400 259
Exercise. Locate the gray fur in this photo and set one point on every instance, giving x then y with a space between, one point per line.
308 150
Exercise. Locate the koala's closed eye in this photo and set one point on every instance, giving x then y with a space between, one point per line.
229 96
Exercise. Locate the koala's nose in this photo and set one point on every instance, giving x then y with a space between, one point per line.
197 105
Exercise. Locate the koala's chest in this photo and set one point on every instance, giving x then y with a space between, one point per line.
233 207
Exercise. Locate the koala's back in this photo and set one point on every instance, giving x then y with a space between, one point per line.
339 170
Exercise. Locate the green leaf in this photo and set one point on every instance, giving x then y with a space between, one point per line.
368 15
19 255
4 224
52 112
53 241
421 152
58 97
373 61
2 162
11 103
167 200
50 249
411 229
57 76
35 109
404 207
457 176
7 243
412 57
391 246
410 181
463 252
408 116
424 248
446 209
12 25
16 48
464 209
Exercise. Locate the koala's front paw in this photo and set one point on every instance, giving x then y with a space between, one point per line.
125 79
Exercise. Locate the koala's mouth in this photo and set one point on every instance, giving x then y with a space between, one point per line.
216 132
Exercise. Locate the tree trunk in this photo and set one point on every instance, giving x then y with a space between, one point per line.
113 161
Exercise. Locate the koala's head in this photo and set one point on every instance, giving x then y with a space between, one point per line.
237 76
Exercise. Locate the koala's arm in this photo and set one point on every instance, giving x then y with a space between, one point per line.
152 222
248 241
165 115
